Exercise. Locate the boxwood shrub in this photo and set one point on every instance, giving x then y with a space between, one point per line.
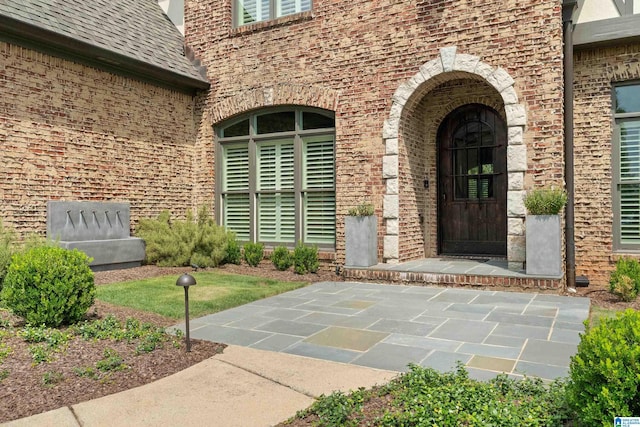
48 285
605 372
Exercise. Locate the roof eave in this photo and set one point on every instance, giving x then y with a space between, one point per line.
607 32
50 42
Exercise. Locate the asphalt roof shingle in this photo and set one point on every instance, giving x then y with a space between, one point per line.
136 29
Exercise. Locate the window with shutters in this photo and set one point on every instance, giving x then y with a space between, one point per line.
626 161
277 170
250 11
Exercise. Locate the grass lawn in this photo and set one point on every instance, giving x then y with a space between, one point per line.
214 292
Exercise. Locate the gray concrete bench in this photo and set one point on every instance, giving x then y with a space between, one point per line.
99 229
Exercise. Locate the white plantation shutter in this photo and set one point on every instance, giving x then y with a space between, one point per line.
235 175
236 168
249 11
276 201
278 186
629 182
289 7
319 214
236 215
319 168
276 218
320 217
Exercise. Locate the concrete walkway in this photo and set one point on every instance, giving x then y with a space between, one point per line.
389 326
242 387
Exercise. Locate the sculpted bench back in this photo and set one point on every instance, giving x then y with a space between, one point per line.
99 229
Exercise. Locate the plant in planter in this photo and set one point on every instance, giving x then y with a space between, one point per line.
361 236
543 234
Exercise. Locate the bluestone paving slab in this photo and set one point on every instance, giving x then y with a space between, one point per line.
470 308
541 311
522 331
495 364
333 319
444 361
291 328
402 327
391 357
565 336
323 352
426 343
455 296
548 352
348 338
515 319
228 335
505 341
285 313
560 324
541 370
314 306
276 342
386 312
464 330
428 325
490 350
455 314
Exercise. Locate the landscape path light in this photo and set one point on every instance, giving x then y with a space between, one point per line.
186 280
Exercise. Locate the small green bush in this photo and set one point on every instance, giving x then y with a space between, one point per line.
233 253
363 209
605 372
253 253
7 238
545 201
174 243
305 259
281 258
49 285
625 279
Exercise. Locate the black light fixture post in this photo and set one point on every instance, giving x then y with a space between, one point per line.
186 280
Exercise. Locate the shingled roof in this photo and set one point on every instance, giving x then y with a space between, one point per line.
133 37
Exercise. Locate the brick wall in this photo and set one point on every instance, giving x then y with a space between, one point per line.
595 73
71 132
359 52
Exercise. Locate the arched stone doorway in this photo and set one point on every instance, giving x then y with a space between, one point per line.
410 162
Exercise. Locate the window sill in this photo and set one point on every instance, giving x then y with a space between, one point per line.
274 23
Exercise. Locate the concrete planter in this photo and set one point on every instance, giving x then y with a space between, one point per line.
361 241
544 245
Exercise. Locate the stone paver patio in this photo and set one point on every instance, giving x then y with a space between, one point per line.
390 326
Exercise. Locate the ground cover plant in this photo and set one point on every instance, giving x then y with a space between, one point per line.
425 397
214 292
112 349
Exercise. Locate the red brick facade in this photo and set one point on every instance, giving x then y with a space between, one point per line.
356 58
596 71
71 132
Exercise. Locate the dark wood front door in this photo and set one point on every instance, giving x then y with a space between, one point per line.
472 183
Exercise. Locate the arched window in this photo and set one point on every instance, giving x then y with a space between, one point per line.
275 174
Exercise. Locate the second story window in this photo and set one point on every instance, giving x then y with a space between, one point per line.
250 11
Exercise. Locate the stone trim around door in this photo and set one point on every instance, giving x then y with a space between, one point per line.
431 73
